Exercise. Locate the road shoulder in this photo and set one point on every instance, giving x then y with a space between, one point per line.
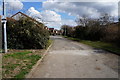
38 62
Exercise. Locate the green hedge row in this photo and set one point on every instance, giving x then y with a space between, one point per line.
26 34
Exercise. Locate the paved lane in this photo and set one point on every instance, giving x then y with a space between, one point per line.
68 59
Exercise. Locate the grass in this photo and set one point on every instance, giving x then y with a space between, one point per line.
100 45
0 50
49 43
18 64
74 39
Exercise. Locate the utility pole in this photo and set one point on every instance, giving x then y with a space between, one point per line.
4 26
65 30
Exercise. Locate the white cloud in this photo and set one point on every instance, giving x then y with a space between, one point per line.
32 12
50 16
0 7
14 5
26 0
83 0
76 8
57 25
94 9
46 16
69 22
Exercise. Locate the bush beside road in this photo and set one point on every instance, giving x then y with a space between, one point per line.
26 34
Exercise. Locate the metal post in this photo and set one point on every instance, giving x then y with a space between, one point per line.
65 30
5 38
4 24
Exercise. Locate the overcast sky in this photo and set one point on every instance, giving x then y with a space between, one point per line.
58 12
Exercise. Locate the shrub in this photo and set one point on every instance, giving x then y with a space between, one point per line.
25 34
102 29
118 35
111 34
95 33
67 30
80 32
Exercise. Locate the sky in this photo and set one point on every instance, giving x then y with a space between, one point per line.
55 13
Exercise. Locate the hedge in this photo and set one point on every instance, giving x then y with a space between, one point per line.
26 34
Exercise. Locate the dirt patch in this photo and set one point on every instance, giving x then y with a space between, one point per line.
97 68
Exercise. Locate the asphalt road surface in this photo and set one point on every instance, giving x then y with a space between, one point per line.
69 59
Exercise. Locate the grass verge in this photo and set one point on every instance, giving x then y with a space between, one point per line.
49 43
100 45
18 64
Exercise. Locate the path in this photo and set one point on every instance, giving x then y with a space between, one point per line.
68 59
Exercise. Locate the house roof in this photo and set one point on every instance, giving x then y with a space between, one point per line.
26 16
11 18
8 18
51 28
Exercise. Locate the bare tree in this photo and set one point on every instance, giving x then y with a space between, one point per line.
83 21
106 19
